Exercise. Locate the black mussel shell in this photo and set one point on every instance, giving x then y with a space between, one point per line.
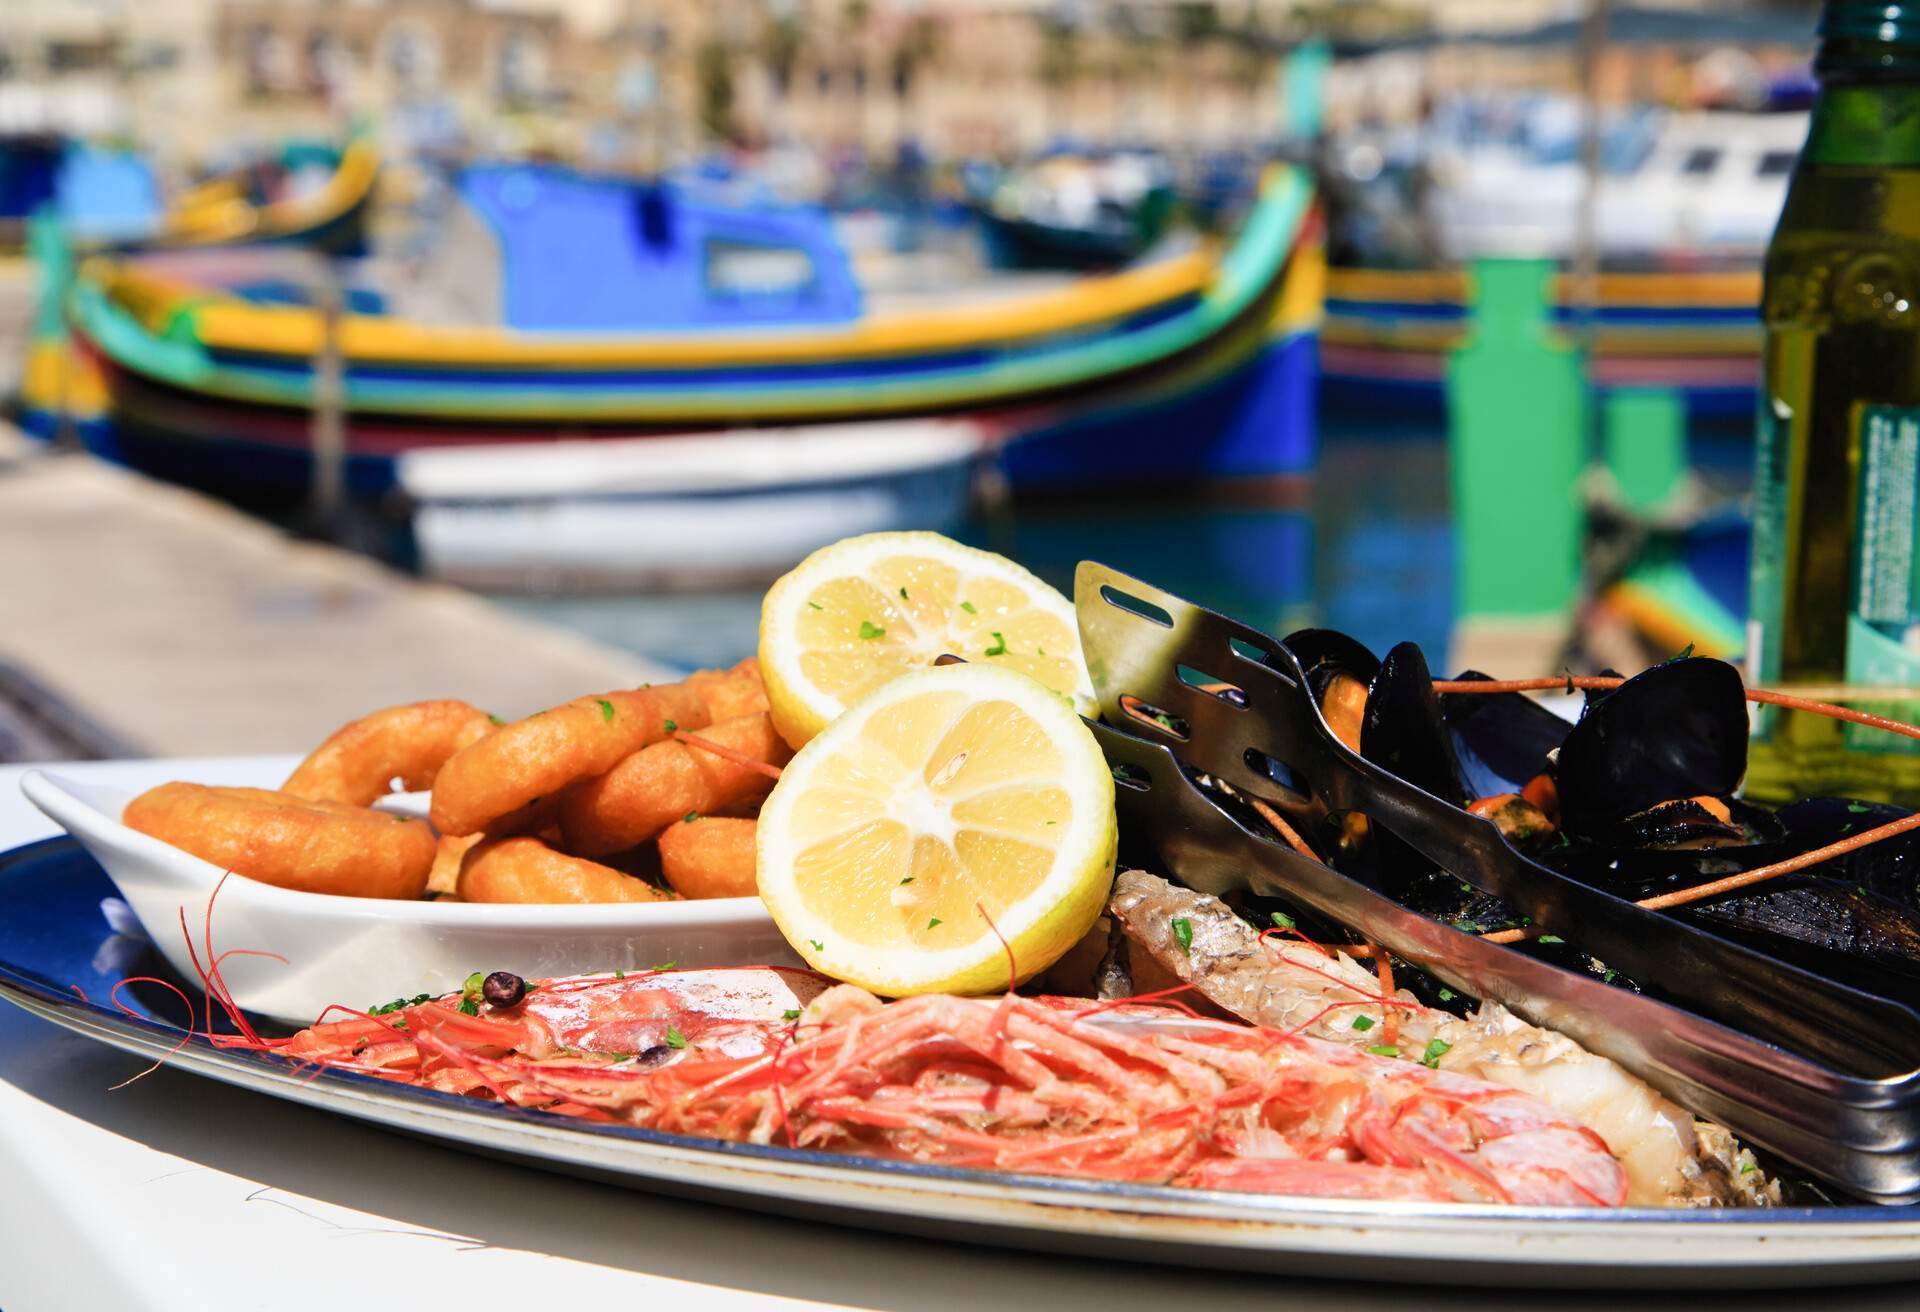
1323 653
1672 846
1691 825
1890 867
1502 738
1835 929
1404 731
1678 730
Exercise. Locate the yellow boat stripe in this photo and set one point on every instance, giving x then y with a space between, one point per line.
223 322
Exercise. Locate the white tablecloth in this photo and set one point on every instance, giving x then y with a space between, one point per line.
179 1192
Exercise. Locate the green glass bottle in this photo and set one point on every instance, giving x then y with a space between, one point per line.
1835 597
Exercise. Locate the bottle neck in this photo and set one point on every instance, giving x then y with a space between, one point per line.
1871 122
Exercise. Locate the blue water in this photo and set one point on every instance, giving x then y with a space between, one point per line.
1368 549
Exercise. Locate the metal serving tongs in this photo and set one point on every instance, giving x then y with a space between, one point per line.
1825 1075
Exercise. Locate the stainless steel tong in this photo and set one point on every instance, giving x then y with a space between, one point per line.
1823 1074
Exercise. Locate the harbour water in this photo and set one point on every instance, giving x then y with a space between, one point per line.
1367 549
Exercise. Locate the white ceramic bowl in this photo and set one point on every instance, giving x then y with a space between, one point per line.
361 951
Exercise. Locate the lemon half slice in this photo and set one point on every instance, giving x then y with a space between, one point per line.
864 610
950 804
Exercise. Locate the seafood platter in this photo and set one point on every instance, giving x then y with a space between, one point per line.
1107 924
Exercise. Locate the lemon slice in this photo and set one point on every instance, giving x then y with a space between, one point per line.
950 804
867 609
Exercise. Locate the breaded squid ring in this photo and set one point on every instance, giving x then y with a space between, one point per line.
712 856
732 693
520 763
655 787
358 764
527 870
292 842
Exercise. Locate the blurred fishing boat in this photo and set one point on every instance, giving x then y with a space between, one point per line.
678 512
1388 335
106 201
641 311
1078 211
1682 209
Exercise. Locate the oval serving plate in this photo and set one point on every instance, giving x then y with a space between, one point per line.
62 952
359 951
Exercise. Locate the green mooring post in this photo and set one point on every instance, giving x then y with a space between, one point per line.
1515 418
1645 439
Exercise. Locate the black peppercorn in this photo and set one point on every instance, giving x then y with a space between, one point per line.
503 988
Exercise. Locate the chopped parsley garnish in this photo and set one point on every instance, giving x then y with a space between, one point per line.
1445 995
1436 1049
1281 920
791 1013
475 982
1747 1168
1183 933
619 974
1384 1050
1608 977
1470 926
967 606
869 630
814 605
933 921
690 817
1551 938
1467 889
907 880
675 1039
496 719
1363 1023
665 965
903 595
671 726
818 946
399 1004
999 647
606 709
468 1007
1043 651
1858 808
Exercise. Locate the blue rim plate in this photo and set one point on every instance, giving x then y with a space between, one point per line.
62 952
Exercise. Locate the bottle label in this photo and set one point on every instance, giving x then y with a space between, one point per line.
1765 587
1883 619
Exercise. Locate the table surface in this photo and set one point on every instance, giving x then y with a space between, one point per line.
180 1192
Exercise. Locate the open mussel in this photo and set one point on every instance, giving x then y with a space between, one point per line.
1504 741
1339 673
1675 732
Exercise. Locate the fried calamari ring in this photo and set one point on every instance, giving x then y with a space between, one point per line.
712 856
292 842
520 763
653 788
527 870
732 693
358 764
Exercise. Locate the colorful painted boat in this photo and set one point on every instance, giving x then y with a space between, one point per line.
1198 367
1388 335
61 389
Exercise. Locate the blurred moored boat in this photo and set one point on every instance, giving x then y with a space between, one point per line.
1192 369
